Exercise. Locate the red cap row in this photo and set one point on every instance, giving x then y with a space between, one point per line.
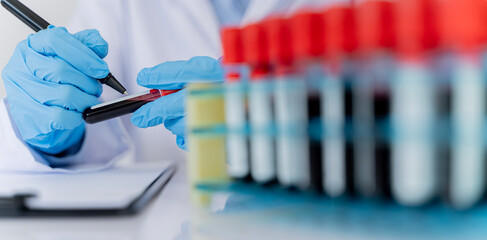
408 27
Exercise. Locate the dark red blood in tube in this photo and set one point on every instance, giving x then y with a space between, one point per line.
123 106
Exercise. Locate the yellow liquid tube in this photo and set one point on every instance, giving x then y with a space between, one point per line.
206 138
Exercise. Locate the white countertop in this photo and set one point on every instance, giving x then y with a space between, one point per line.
162 219
170 216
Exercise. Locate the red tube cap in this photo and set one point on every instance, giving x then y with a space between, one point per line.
417 27
232 45
256 52
308 30
464 24
341 37
255 45
280 39
376 25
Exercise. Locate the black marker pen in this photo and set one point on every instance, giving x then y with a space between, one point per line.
35 22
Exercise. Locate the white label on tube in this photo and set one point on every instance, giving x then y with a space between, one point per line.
237 145
468 164
263 167
413 153
333 110
292 139
121 99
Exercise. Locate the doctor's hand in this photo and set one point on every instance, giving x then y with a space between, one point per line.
50 80
170 110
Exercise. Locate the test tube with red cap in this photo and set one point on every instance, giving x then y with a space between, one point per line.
309 46
261 106
122 106
341 44
238 151
414 104
291 116
371 93
464 32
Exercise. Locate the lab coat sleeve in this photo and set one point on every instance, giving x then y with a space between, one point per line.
105 144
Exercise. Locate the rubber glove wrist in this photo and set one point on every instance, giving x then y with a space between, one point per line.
68 148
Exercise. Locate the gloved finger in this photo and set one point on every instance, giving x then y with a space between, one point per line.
93 40
60 95
54 69
56 41
64 120
55 118
177 126
181 142
175 75
34 118
161 110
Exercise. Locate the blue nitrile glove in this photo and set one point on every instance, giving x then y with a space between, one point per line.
170 110
50 80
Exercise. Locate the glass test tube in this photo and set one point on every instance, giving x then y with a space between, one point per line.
236 115
371 97
414 108
261 105
466 180
122 106
290 99
337 105
467 164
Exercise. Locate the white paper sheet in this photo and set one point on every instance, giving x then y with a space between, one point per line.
110 189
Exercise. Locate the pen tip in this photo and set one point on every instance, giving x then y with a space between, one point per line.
126 93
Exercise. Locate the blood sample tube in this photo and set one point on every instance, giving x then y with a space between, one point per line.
341 44
309 46
414 105
290 108
466 37
261 106
238 151
371 96
122 106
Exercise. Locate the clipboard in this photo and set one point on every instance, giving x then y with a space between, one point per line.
18 205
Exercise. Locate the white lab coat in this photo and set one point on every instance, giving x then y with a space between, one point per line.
140 33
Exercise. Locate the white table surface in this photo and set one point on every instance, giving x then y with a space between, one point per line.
170 216
162 219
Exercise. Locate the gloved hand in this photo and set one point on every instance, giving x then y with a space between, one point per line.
50 80
170 110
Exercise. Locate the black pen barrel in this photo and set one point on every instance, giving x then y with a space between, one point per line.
26 15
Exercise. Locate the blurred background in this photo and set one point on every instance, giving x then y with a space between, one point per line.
14 31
